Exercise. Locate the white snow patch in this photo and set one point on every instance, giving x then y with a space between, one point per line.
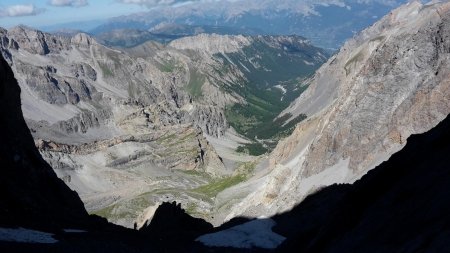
188 108
246 69
256 233
25 235
228 59
281 88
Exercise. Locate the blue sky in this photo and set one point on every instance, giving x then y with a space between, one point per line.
38 13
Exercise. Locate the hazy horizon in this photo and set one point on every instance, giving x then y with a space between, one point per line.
85 14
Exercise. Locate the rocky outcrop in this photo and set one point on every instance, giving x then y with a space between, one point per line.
83 70
36 42
212 44
84 121
51 87
211 119
82 40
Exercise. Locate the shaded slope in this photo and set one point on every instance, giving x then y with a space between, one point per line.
400 206
30 192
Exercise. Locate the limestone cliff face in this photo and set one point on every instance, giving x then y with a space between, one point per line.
36 42
387 83
212 44
394 82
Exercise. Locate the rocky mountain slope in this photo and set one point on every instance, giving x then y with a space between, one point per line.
39 213
130 128
387 83
399 206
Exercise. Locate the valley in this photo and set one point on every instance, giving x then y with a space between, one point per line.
130 128
196 131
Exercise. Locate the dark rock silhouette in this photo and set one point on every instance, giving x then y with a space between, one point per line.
30 193
171 223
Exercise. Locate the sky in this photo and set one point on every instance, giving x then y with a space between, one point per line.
38 13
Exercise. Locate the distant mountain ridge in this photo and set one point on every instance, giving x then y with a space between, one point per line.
164 33
315 20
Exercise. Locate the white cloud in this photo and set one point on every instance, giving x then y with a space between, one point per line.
72 3
244 3
20 10
151 3
384 2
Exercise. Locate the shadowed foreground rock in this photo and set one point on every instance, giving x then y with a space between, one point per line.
171 223
30 193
